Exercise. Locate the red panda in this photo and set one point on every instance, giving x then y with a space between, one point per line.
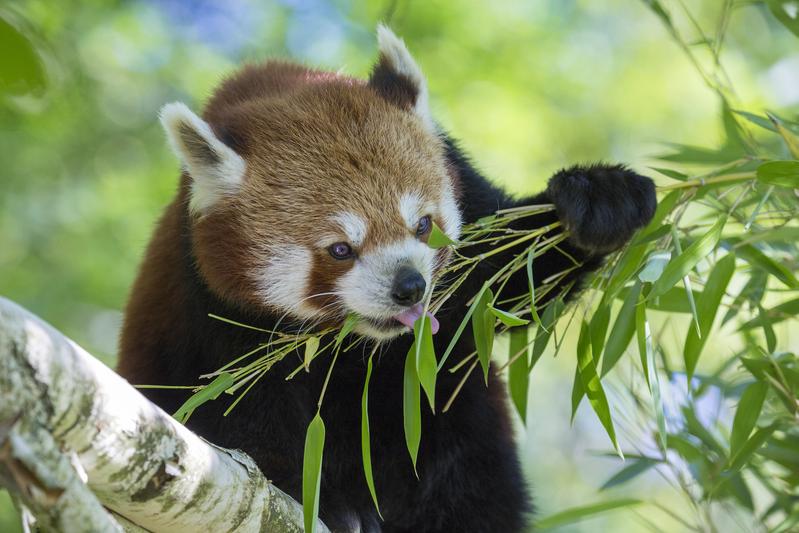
306 196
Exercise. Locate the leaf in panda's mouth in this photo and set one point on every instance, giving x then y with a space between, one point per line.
410 315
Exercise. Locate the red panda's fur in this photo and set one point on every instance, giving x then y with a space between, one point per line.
309 139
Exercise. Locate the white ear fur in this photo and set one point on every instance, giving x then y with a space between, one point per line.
216 170
396 53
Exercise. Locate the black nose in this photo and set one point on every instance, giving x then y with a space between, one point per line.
408 286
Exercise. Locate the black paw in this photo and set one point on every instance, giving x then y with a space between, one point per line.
602 205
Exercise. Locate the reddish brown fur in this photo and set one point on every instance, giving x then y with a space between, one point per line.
321 144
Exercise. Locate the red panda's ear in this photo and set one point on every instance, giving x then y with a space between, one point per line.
215 169
398 79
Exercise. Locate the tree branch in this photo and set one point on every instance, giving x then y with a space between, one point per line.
58 402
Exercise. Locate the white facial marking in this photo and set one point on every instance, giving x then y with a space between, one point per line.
283 282
412 208
216 170
353 226
393 48
366 288
450 214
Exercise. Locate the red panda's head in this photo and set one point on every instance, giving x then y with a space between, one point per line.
312 194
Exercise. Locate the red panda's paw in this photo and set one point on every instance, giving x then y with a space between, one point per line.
602 205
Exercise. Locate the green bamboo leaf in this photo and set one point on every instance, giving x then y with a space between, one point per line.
751 446
412 408
643 338
657 399
780 173
425 356
576 514
483 330
465 320
578 391
790 138
622 332
22 71
312 472
519 371
671 173
209 392
707 306
592 385
439 239
366 444
686 281
763 122
655 265
531 286
681 265
509 319
629 472
787 15
542 334
599 327
758 259
672 301
746 415
311 347
349 324
774 315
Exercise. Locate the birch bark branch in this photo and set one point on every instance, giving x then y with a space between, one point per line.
60 408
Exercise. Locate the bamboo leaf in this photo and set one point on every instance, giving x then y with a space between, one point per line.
774 315
439 239
366 445
655 265
349 324
592 386
707 306
312 472
465 320
758 259
642 338
751 446
509 319
599 327
519 371
787 16
531 286
790 138
681 265
425 357
311 346
629 472
483 330
780 173
412 408
746 415
210 392
622 332
580 513
542 334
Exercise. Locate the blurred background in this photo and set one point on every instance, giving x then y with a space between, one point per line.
527 85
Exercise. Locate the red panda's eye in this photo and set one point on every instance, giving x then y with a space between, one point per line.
340 250
425 225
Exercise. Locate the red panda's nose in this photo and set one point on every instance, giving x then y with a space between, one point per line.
408 287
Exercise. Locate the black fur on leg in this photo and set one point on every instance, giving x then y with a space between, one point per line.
602 205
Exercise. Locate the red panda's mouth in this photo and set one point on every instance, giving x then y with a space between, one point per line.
411 315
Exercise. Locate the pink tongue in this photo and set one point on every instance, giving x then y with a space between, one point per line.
412 314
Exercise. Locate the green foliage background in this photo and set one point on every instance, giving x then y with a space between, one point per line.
529 86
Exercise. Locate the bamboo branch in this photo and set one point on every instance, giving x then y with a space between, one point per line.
58 402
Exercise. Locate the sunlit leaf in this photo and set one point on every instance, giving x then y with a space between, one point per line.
519 370
622 331
311 346
707 306
682 264
654 266
531 287
671 173
425 357
438 239
312 472
21 69
210 392
786 12
642 337
746 415
629 472
780 173
751 446
349 324
483 330
758 259
542 334
599 328
790 138
411 408
577 514
509 319
592 385
366 444
774 315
